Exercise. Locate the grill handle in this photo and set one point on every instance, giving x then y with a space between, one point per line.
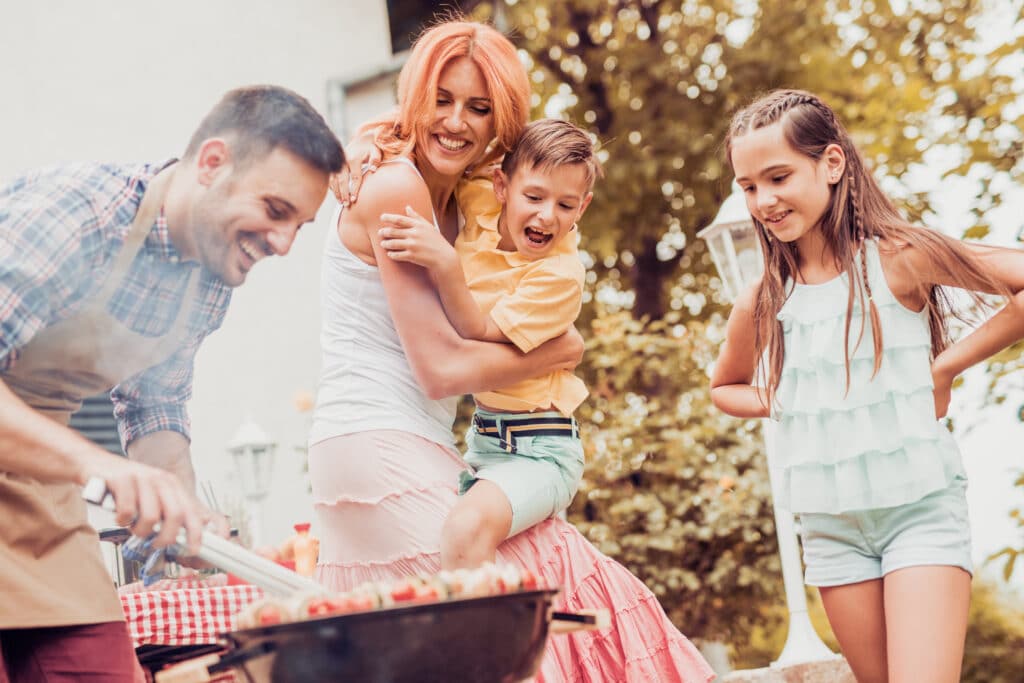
583 620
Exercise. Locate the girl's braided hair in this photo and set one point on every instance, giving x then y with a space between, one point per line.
858 210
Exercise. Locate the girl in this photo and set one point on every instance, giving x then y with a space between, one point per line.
849 320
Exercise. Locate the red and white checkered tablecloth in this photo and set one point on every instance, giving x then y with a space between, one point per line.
189 581
185 616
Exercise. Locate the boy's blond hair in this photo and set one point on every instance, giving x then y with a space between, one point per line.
553 142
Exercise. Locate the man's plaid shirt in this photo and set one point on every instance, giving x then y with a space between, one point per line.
60 231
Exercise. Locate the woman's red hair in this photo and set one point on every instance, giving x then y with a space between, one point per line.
495 56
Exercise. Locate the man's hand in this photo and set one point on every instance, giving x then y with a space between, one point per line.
168 452
146 496
414 239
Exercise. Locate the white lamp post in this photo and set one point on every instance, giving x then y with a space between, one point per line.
736 251
252 451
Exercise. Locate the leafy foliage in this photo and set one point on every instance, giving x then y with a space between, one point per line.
994 652
673 488
657 80
1011 554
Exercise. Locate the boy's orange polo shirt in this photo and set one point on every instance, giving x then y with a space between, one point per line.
531 301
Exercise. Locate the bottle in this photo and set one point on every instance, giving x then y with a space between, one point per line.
306 549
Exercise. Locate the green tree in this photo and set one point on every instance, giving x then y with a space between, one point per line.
994 652
657 80
673 488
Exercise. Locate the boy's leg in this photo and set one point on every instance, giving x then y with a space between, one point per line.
480 520
856 612
926 623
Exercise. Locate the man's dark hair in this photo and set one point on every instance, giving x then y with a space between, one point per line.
259 118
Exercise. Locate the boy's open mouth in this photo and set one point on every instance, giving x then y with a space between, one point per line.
538 237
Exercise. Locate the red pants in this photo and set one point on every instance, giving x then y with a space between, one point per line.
92 653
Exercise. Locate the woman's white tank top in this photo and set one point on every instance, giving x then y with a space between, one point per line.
365 382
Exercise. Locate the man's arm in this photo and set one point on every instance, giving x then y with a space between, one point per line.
168 450
47 268
150 409
35 446
153 422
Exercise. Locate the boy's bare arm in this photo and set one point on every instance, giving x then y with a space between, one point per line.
413 239
460 306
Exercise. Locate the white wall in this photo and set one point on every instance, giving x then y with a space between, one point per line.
121 80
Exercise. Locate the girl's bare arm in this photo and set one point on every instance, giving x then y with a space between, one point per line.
732 390
1006 327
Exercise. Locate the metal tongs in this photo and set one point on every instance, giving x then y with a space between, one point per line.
223 554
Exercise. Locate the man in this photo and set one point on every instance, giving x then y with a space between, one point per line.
111 276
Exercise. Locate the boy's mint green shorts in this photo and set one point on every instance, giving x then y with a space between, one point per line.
539 474
868 544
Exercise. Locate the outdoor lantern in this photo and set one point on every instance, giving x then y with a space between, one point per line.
252 451
733 243
736 252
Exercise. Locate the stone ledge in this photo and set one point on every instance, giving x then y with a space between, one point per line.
831 671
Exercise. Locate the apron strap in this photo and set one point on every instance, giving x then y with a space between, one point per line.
149 209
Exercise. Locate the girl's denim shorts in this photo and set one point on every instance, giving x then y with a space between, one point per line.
862 545
539 479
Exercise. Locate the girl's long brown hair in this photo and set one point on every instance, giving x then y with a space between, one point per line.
858 210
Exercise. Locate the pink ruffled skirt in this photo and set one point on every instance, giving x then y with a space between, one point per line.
381 499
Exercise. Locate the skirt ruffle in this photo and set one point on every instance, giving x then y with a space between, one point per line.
381 532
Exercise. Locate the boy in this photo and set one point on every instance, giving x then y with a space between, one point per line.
514 276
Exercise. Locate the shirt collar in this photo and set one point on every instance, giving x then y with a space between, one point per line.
158 242
489 220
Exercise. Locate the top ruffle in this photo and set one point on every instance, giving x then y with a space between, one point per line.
875 443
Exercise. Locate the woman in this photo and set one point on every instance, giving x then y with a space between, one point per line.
382 459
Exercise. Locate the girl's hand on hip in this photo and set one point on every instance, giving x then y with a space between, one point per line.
414 239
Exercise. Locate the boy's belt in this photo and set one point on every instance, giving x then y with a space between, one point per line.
507 431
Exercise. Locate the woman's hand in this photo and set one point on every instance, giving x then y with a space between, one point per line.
365 157
414 239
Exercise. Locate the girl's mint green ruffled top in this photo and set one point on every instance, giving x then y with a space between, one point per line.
878 445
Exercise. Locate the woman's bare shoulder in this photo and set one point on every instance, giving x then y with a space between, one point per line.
389 189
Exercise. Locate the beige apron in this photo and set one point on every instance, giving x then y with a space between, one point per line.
51 569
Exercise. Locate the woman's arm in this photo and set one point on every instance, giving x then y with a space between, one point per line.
731 388
444 364
413 239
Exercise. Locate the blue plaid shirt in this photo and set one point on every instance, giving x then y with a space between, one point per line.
60 231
